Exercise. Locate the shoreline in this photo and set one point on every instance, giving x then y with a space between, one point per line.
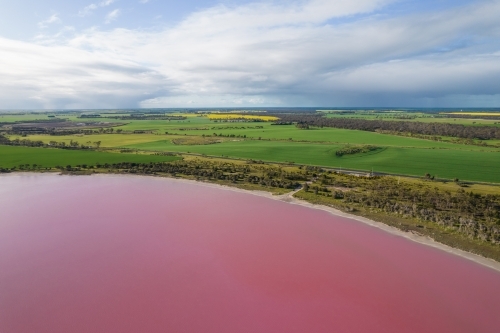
288 198
424 240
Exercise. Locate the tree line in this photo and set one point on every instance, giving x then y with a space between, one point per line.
441 129
262 175
474 215
351 150
63 131
147 117
52 144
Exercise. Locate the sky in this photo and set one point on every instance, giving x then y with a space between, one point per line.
80 54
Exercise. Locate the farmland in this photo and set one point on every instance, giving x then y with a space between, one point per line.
223 116
445 163
465 118
50 158
478 114
256 136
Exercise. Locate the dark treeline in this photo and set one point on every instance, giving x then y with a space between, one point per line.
239 120
216 128
472 214
89 116
4 140
66 131
217 171
463 116
52 144
101 130
40 121
147 117
442 129
227 135
351 150
236 127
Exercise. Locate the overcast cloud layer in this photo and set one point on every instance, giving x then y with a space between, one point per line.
301 53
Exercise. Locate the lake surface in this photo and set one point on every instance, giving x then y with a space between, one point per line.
135 254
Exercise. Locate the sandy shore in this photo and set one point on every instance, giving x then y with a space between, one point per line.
288 198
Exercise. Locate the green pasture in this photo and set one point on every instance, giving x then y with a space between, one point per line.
195 120
332 135
11 156
420 117
272 132
282 143
461 121
8 118
443 163
161 125
107 140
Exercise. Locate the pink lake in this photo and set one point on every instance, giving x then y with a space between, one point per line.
135 254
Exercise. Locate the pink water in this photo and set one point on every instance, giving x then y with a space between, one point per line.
133 254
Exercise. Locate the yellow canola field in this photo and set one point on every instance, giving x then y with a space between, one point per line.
484 114
240 116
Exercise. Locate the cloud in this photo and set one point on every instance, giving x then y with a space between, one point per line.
93 6
295 53
143 1
113 15
62 33
60 76
54 18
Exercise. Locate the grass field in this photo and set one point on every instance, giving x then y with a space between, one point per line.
280 143
284 133
7 118
445 163
223 116
420 117
479 114
107 140
46 157
281 132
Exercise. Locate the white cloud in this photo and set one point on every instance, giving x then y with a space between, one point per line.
93 6
61 76
54 18
113 15
144 1
268 54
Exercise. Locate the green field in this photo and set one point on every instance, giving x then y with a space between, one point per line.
107 140
49 158
445 163
269 132
267 142
420 117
